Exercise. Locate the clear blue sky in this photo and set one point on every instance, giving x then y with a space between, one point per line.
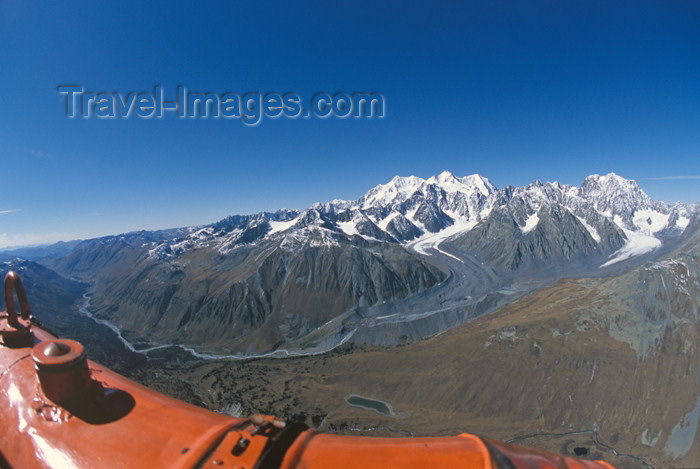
512 90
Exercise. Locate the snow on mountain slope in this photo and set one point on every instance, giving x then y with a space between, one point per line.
423 213
637 244
396 190
591 230
614 195
278 226
530 223
433 240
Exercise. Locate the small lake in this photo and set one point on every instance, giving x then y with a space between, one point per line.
370 404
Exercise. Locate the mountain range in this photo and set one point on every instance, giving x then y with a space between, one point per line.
562 317
409 259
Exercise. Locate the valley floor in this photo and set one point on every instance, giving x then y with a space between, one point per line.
541 372
602 367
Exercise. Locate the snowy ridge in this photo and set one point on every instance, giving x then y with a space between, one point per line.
398 189
591 230
422 213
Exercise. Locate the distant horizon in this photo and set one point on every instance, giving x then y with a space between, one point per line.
114 121
4 248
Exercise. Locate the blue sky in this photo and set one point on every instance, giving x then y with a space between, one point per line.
512 90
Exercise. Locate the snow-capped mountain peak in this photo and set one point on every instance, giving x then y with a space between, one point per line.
443 177
468 184
481 183
614 195
400 189
396 190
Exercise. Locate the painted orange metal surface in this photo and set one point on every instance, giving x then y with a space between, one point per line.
60 410
121 424
317 450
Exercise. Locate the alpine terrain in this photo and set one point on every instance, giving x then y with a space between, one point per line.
408 260
555 316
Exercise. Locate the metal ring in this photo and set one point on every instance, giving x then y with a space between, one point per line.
14 283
